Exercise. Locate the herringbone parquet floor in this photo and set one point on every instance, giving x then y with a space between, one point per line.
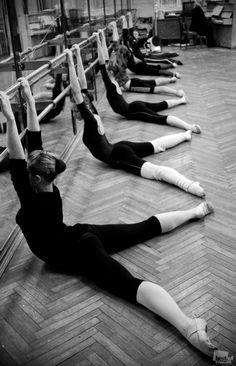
49 318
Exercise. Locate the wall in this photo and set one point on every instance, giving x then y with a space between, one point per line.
144 8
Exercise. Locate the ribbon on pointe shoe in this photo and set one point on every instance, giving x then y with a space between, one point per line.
198 337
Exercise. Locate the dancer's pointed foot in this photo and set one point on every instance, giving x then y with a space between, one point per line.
173 79
181 93
196 129
197 336
177 75
196 189
205 208
184 99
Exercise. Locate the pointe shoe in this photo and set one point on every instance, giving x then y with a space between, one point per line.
198 337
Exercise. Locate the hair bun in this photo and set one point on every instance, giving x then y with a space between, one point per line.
60 166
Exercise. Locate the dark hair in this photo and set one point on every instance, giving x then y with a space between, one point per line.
156 41
45 164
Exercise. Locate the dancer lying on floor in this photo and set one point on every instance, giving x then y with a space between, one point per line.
139 110
134 43
125 154
139 67
86 248
137 85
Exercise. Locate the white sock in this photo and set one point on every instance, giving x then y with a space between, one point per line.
171 176
166 142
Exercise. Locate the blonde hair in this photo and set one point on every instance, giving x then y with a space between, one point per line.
45 164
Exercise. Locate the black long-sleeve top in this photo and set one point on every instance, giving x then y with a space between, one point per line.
40 216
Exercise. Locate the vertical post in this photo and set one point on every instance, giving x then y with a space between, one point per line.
115 8
155 18
63 23
16 48
104 12
121 6
89 16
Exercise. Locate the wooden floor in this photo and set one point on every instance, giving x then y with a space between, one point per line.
48 318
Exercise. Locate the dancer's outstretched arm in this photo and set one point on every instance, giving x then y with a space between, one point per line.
15 148
80 67
32 118
101 55
75 87
104 44
115 34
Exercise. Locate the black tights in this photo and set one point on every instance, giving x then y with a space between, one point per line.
147 112
92 255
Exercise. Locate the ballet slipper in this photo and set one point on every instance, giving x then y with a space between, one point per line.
173 79
184 99
181 93
196 129
196 189
197 336
177 75
205 208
